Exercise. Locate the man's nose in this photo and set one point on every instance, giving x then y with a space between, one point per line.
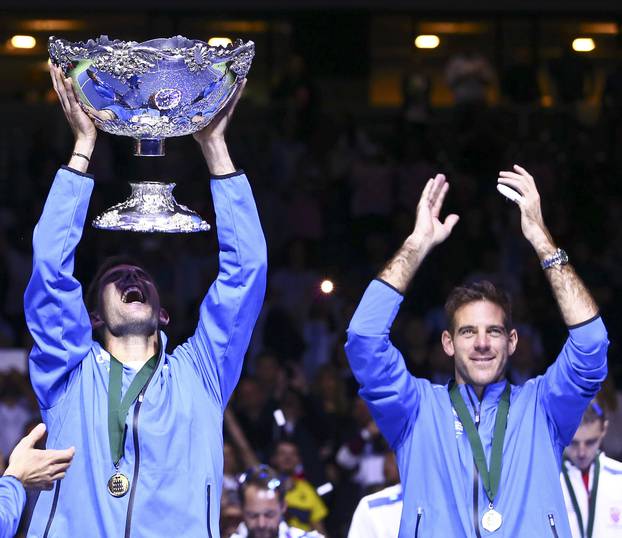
481 340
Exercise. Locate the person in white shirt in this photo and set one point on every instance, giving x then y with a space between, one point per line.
592 482
378 515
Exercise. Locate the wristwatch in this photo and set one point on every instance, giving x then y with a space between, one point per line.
558 258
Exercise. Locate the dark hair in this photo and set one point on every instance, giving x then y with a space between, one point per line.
593 413
262 477
478 291
91 299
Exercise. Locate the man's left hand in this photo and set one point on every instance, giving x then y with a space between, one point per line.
532 222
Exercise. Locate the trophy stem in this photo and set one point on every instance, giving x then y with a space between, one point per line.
149 147
151 208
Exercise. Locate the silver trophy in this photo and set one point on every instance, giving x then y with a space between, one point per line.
150 91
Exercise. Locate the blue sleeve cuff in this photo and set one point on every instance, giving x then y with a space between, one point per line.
377 309
589 335
13 483
238 172
77 172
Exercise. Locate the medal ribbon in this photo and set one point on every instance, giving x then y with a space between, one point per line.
490 480
118 408
592 501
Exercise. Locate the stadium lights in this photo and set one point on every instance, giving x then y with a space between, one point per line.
327 286
583 44
219 41
23 42
427 41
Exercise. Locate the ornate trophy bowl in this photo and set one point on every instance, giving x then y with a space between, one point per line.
151 91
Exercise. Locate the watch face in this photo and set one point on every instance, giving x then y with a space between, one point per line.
563 257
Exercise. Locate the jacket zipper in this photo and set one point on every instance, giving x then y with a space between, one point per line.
53 509
130 506
209 511
419 516
552 524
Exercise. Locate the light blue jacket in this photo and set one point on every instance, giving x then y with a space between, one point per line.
12 502
443 496
173 445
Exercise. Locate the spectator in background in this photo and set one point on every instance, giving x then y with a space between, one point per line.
378 514
363 453
610 399
264 506
253 410
305 508
591 481
469 76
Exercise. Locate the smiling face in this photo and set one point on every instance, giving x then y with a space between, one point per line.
480 343
128 303
585 444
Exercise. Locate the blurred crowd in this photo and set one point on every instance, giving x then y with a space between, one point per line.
336 191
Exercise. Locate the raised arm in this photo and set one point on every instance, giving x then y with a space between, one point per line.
231 307
390 391
54 309
575 377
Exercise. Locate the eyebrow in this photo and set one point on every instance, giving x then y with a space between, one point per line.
488 327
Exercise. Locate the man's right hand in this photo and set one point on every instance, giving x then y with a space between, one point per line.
81 124
429 231
38 469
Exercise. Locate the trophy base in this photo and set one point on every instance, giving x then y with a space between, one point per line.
151 208
148 147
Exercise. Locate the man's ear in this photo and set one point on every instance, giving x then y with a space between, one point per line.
448 343
512 341
163 318
96 320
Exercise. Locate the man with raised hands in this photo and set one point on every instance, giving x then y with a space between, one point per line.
478 457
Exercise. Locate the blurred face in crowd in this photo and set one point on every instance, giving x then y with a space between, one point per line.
263 512
286 458
479 343
129 303
584 447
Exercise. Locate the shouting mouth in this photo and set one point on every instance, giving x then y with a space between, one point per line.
133 294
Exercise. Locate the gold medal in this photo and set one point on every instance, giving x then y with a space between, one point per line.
118 485
492 520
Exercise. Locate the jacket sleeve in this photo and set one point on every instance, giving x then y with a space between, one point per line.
231 307
12 502
574 379
391 392
55 313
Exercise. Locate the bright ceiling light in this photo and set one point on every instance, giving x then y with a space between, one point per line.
327 286
23 42
583 44
427 41
219 41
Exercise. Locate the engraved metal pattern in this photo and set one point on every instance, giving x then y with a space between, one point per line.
151 208
118 485
119 83
152 90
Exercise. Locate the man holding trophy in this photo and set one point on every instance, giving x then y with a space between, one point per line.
146 425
